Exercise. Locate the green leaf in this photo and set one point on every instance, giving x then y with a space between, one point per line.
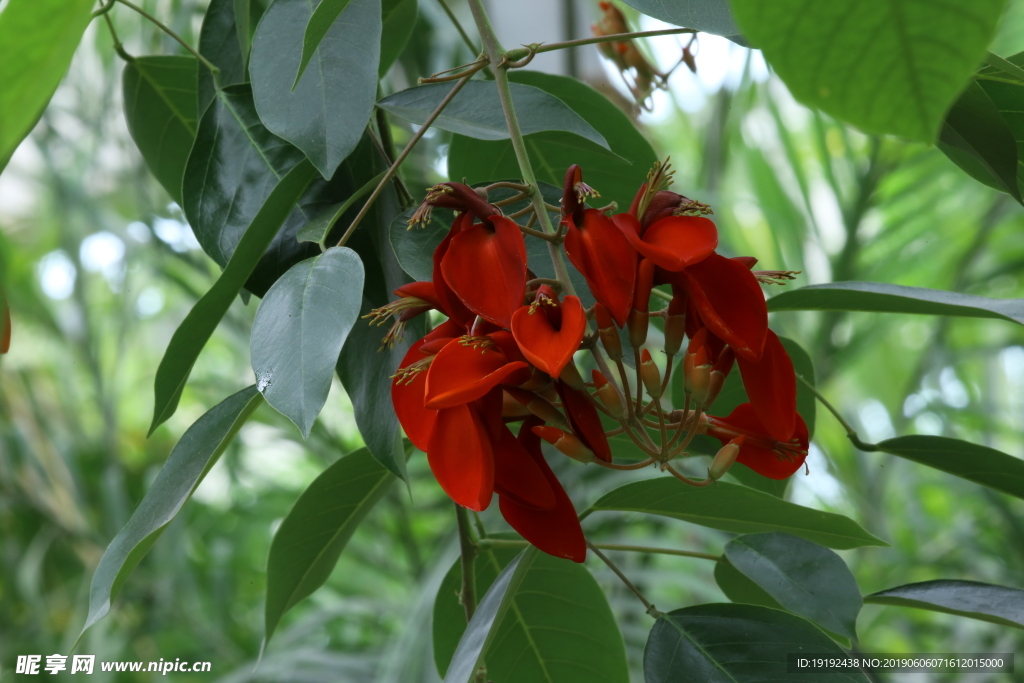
194 331
886 66
885 298
735 508
481 631
193 456
299 330
709 16
220 43
319 228
805 578
37 41
735 643
553 152
983 601
976 137
328 109
399 20
160 108
738 588
310 539
559 628
980 464
320 22
1006 91
476 111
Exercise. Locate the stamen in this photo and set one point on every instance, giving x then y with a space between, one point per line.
408 374
693 208
379 316
542 300
482 343
775 277
583 191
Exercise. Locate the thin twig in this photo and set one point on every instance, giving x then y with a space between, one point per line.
511 543
458 26
851 433
651 610
163 27
522 52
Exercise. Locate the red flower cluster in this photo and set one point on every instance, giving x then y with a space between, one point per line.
505 353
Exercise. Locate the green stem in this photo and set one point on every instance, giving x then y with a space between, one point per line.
502 543
163 27
118 47
494 52
651 610
467 594
520 53
851 433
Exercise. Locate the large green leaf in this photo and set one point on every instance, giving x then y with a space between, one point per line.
310 539
735 508
37 40
805 578
160 108
299 330
886 66
710 16
559 629
885 298
997 604
399 19
735 644
193 332
220 41
328 109
553 152
738 588
193 456
320 22
476 111
980 464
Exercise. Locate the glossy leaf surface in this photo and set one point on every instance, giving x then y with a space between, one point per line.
997 604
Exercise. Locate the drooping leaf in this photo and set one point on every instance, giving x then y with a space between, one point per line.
559 609
805 578
710 16
885 298
735 508
476 111
299 330
320 22
37 40
997 604
160 108
980 464
310 539
398 19
193 456
735 644
220 41
886 66
1005 88
191 336
328 109
553 152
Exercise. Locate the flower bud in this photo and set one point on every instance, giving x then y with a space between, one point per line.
540 407
698 383
639 317
675 322
725 458
638 322
719 371
607 395
650 375
608 333
565 442
571 376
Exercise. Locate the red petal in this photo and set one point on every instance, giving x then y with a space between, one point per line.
756 453
517 475
463 372
460 457
5 327
547 348
416 420
586 423
602 254
673 243
556 531
450 303
771 385
730 303
438 338
486 267
421 290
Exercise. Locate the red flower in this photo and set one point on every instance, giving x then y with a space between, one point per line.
603 255
585 421
760 451
673 243
549 332
771 386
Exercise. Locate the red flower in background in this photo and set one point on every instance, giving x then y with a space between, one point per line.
760 451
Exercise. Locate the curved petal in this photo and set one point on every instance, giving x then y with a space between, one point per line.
600 251
586 423
547 348
555 531
485 266
464 370
408 398
421 290
758 453
771 385
460 457
450 303
730 303
438 338
675 242
517 475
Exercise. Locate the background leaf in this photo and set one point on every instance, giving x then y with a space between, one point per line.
299 330
194 331
476 111
196 452
888 66
735 508
710 16
160 108
741 643
997 604
225 41
805 578
37 40
552 153
886 298
310 539
327 111
399 20
320 22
